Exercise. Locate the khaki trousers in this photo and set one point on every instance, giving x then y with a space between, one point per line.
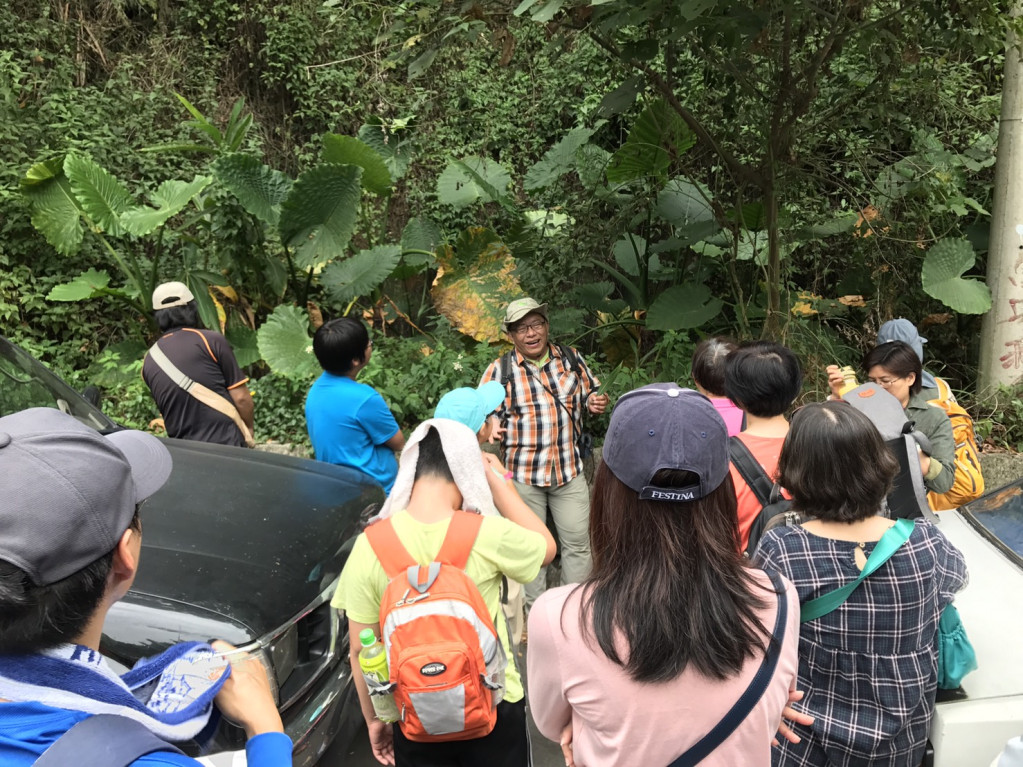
569 504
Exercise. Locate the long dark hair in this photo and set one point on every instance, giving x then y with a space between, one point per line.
668 577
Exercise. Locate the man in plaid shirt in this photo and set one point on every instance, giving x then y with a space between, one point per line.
548 385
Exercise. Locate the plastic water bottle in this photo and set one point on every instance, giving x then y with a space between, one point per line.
373 662
849 381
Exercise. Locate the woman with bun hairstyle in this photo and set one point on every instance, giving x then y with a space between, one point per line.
636 664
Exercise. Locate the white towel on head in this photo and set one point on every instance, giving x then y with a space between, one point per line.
462 451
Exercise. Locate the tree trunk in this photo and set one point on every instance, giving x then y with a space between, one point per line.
1001 342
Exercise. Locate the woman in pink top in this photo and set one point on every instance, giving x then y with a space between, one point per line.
643 659
709 376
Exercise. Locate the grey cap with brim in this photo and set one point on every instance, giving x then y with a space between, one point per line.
663 426
68 492
903 330
519 308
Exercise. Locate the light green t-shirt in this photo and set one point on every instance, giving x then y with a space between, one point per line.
502 547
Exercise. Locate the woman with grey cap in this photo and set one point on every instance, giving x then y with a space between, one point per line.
674 651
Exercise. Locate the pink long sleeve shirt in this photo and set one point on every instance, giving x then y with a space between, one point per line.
617 721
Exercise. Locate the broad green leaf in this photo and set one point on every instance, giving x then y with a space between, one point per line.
118 364
593 161
244 342
623 97
458 187
658 136
360 274
285 343
547 11
86 285
473 299
683 306
181 146
625 253
56 213
840 224
102 197
387 145
170 199
420 234
524 6
319 214
682 203
199 284
345 150
593 295
259 188
942 277
422 63
470 245
558 160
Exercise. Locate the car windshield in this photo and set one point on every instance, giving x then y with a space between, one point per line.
25 383
999 516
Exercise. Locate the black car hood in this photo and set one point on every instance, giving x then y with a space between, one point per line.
247 534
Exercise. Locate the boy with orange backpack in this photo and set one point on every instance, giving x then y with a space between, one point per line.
969 480
427 581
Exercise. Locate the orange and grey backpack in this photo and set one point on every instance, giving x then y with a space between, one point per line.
446 661
969 481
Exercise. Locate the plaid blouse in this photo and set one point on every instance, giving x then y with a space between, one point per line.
540 440
870 667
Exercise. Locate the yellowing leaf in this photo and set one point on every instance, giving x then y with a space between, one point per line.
473 298
803 309
412 42
856 301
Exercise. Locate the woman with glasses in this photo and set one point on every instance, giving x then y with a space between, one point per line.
896 367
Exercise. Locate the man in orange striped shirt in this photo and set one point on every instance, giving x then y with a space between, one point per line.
548 387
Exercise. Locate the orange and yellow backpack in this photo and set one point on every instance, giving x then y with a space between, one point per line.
969 481
446 661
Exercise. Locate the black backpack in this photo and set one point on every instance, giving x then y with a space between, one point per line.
775 511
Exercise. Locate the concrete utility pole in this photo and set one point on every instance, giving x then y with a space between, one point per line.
1001 340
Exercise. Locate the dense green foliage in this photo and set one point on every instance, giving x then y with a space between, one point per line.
658 171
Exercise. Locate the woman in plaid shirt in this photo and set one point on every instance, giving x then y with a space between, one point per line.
870 666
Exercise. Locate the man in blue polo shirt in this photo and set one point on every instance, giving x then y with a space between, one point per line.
349 423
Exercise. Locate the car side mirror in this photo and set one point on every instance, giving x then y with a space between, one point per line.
93 396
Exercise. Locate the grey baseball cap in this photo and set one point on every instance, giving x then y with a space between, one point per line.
663 426
67 492
520 307
171 294
905 331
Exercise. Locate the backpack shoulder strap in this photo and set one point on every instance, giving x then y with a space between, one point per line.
753 693
103 740
506 367
462 531
571 355
750 470
393 556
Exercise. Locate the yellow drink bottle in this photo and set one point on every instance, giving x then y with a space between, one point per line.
373 662
849 381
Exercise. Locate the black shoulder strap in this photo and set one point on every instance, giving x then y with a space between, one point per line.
572 356
749 699
103 740
750 470
506 368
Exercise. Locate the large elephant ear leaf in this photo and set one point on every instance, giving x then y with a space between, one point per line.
362 273
345 150
465 181
56 213
102 197
658 135
387 145
683 306
318 217
942 277
170 199
285 343
88 284
259 188
473 299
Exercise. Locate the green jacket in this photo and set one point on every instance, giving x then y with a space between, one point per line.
934 423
